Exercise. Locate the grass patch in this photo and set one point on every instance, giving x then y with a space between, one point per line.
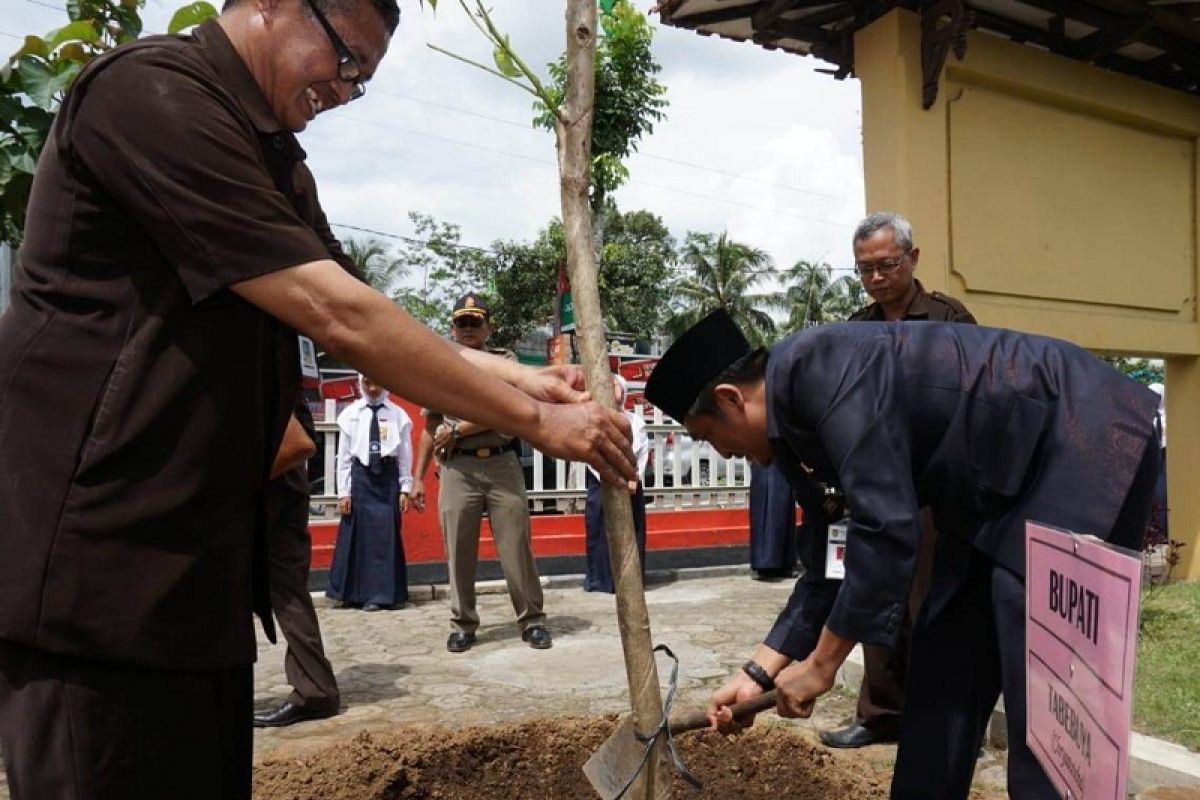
1167 683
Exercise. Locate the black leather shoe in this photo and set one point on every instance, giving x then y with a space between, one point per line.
855 735
538 637
289 713
772 574
460 642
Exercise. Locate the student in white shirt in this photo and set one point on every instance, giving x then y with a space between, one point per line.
374 479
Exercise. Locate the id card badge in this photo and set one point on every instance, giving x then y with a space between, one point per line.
383 430
835 551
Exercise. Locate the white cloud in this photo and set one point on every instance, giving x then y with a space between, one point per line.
418 142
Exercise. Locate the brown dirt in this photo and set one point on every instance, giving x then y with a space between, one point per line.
542 759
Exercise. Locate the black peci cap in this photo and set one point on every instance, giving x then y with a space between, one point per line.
471 303
704 350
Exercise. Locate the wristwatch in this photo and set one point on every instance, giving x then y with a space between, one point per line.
758 675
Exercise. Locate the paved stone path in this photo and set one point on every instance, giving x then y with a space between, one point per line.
393 667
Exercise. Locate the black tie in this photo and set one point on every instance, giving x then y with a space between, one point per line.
375 462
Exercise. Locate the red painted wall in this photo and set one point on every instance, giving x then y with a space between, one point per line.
553 534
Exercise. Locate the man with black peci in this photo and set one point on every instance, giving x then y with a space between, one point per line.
988 428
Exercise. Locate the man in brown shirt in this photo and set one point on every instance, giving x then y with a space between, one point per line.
886 259
148 364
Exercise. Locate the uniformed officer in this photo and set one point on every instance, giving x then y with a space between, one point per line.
886 258
989 428
480 471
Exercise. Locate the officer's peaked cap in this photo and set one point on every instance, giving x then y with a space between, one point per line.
471 303
703 352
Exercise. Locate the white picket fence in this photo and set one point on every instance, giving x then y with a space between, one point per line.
680 475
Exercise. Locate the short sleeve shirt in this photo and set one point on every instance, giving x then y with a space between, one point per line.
144 400
489 438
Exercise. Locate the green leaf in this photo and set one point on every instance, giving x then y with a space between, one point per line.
606 6
81 31
74 51
191 14
42 83
504 63
33 46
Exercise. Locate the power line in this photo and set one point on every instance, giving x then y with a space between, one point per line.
635 182
489 251
410 239
651 156
46 5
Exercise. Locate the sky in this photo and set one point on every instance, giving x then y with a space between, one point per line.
755 143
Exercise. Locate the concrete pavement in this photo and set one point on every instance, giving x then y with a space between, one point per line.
393 667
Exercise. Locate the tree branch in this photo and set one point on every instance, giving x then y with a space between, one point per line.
495 72
501 41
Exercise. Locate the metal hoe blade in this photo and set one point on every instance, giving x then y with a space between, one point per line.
615 762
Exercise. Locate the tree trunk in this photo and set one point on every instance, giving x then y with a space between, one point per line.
574 140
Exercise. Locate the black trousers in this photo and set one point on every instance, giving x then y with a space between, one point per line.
77 729
885 671
599 575
969 652
773 532
289 557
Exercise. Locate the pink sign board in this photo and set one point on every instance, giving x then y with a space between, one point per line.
1081 616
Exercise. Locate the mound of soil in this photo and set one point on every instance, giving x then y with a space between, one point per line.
542 759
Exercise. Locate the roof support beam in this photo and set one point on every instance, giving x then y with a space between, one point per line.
769 12
944 26
716 16
1105 40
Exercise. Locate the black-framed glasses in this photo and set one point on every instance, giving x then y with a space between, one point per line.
348 68
884 266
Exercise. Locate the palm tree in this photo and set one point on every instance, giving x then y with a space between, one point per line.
807 290
373 259
724 274
847 296
812 297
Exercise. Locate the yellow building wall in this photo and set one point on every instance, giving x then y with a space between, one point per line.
1053 197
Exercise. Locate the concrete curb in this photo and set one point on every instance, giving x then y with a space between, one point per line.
1152 762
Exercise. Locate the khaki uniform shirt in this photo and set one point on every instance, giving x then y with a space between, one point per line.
490 438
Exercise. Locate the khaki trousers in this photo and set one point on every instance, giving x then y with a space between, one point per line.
470 486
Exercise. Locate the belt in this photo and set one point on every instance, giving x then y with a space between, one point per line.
488 452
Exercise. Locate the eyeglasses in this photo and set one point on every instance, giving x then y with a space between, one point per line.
348 69
468 321
883 267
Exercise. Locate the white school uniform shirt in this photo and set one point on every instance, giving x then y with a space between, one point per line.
354 440
641 445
